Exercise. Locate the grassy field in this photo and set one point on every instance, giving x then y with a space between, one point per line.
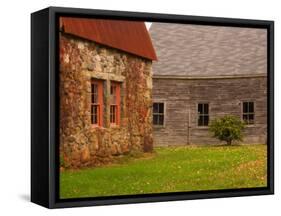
169 170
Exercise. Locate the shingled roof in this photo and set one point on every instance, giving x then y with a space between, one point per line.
202 51
128 36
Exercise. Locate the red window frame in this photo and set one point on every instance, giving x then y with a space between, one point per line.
114 103
96 102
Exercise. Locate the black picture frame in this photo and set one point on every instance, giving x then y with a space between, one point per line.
45 100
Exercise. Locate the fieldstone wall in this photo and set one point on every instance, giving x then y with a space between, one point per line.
225 97
81 144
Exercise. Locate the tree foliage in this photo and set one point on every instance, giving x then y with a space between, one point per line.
228 128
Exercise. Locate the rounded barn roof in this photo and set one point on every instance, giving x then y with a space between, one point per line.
203 51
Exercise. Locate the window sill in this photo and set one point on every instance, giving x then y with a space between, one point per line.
114 126
250 125
202 127
159 126
97 127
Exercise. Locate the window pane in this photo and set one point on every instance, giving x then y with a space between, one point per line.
94 93
160 119
251 107
114 102
113 117
206 120
94 119
112 114
94 98
206 109
155 119
155 108
161 107
158 113
200 108
245 118
251 118
200 121
245 107
94 88
94 114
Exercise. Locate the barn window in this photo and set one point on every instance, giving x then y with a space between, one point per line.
114 103
96 102
203 114
158 113
248 112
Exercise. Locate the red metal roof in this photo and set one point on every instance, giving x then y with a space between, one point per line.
128 36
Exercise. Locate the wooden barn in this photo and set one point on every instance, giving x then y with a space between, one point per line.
205 72
105 90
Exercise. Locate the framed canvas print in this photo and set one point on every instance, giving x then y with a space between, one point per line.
139 107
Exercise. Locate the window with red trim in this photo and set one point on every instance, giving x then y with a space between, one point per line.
114 103
96 102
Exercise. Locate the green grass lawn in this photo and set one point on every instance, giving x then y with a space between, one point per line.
171 169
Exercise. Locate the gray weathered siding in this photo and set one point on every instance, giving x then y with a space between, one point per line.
224 96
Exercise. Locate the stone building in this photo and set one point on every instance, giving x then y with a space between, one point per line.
105 90
204 72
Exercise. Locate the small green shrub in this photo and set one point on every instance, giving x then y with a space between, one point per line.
228 128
